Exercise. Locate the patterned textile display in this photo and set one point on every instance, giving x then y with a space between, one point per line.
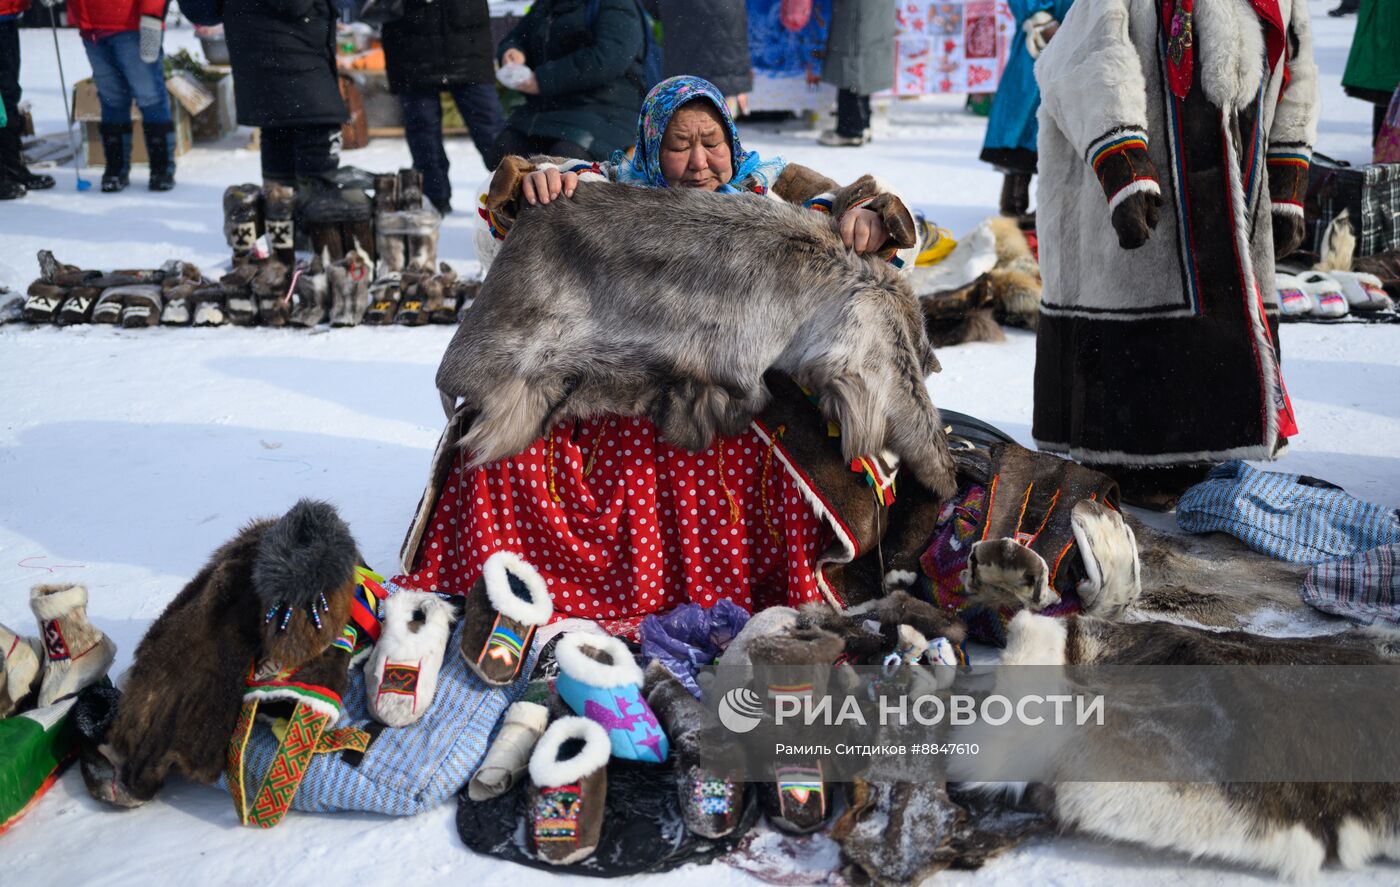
960 47
1364 588
1287 516
401 771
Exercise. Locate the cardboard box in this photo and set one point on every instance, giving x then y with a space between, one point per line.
220 118
88 111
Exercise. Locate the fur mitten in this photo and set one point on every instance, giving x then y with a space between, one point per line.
1005 573
1288 187
712 803
509 754
76 654
19 670
401 674
599 679
569 786
1135 218
1289 232
504 608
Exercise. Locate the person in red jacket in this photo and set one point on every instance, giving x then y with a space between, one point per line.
123 43
15 178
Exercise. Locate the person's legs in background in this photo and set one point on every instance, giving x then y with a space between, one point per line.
114 95
146 80
480 107
852 121
317 156
15 177
422 128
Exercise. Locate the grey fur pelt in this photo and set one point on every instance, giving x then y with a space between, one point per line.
671 304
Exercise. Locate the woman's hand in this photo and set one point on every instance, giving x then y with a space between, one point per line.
529 87
513 57
863 231
544 185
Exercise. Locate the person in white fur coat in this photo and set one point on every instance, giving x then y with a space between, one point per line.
1186 126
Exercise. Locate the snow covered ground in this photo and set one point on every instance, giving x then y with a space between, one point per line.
127 457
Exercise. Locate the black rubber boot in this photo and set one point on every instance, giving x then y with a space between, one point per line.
12 167
116 145
160 148
9 188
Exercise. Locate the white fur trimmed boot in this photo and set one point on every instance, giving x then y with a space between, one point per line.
600 680
76 653
504 608
509 754
569 787
19 670
401 674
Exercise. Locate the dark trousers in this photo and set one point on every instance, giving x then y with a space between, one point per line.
299 152
513 141
852 113
10 156
422 123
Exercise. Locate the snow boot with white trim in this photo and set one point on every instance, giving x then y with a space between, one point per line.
19 670
401 674
504 607
569 787
600 680
76 653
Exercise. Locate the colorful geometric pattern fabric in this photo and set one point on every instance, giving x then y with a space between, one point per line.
1286 516
504 644
283 779
54 644
714 797
1364 588
557 814
802 784
400 678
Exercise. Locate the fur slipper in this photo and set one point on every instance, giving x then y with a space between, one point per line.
401 674
19 671
712 803
599 679
1327 293
1005 573
208 306
76 653
141 305
455 300
1292 300
1364 292
12 306
43 302
384 297
509 754
504 608
179 305
569 786
348 281
77 308
1109 552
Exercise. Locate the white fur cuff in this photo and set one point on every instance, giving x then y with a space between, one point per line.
547 770
1109 552
1288 209
579 654
504 595
55 601
1141 186
900 578
1032 639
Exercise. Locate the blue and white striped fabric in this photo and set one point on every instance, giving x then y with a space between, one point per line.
407 770
1286 516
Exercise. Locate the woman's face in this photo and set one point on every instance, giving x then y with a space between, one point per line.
695 149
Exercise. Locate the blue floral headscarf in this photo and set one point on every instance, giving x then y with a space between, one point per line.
644 168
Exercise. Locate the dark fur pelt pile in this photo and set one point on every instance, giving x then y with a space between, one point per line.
185 689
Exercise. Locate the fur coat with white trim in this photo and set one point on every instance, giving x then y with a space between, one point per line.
1164 352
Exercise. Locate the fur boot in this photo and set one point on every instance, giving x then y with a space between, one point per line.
600 680
240 308
77 308
569 787
76 653
509 755
243 217
269 289
348 281
310 295
798 663
279 209
19 670
43 302
503 609
401 674
100 765
711 802
385 294
456 300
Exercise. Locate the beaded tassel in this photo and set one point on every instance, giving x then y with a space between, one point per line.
286 618
271 613
315 616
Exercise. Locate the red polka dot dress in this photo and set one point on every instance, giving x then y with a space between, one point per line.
622 525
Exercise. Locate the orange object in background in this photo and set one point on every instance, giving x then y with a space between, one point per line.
371 59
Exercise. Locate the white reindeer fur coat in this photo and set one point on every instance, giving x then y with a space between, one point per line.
1166 354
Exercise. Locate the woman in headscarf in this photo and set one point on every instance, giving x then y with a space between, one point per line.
622 524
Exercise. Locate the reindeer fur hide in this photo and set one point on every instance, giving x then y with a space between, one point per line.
678 322
1291 829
